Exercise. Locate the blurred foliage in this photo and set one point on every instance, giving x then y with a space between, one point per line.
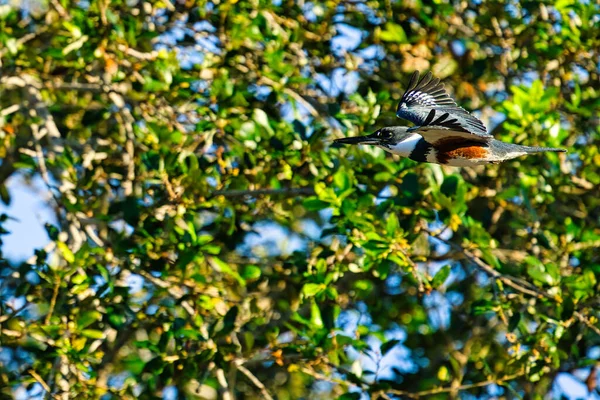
211 244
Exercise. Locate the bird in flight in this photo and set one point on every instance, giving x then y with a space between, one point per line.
444 133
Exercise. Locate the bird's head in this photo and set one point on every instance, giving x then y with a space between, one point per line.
386 137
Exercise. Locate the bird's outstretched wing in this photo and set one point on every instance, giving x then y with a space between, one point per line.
427 104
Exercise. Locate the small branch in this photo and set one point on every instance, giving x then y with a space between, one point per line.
516 283
414 271
263 390
326 378
450 389
223 385
309 191
311 109
22 40
60 10
138 54
127 122
39 380
53 301
10 110
587 322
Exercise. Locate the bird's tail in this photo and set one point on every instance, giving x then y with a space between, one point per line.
535 149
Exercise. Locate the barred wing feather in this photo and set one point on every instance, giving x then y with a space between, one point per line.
426 103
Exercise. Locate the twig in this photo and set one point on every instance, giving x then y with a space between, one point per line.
587 322
263 390
516 283
39 380
22 40
36 101
60 10
266 192
226 393
53 301
129 154
326 378
414 271
10 110
311 109
138 54
449 389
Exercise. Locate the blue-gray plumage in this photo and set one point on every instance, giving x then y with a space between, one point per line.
444 133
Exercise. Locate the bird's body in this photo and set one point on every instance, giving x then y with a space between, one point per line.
444 134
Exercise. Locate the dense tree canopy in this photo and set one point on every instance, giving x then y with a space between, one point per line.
211 242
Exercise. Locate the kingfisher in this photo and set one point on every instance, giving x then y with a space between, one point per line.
444 133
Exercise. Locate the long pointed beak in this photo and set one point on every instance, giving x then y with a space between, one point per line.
369 139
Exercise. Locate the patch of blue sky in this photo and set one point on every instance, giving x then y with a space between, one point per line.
135 283
204 26
438 310
371 15
458 47
210 43
495 119
35 392
594 353
117 380
308 9
582 75
383 195
311 229
572 387
372 52
348 38
272 239
527 78
170 393
455 298
339 16
393 284
341 81
296 111
260 92
189 57
29 212
371 57
482 279
200 86
398 358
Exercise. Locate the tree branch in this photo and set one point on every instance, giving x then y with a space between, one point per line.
308 190
223 385
454 389
263 390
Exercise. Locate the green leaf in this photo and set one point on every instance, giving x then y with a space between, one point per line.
513 322
87 318
312 289
315 204
341 179
66 253
93 334
441 276
225 268
393 33
251 272
387 346
392 225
